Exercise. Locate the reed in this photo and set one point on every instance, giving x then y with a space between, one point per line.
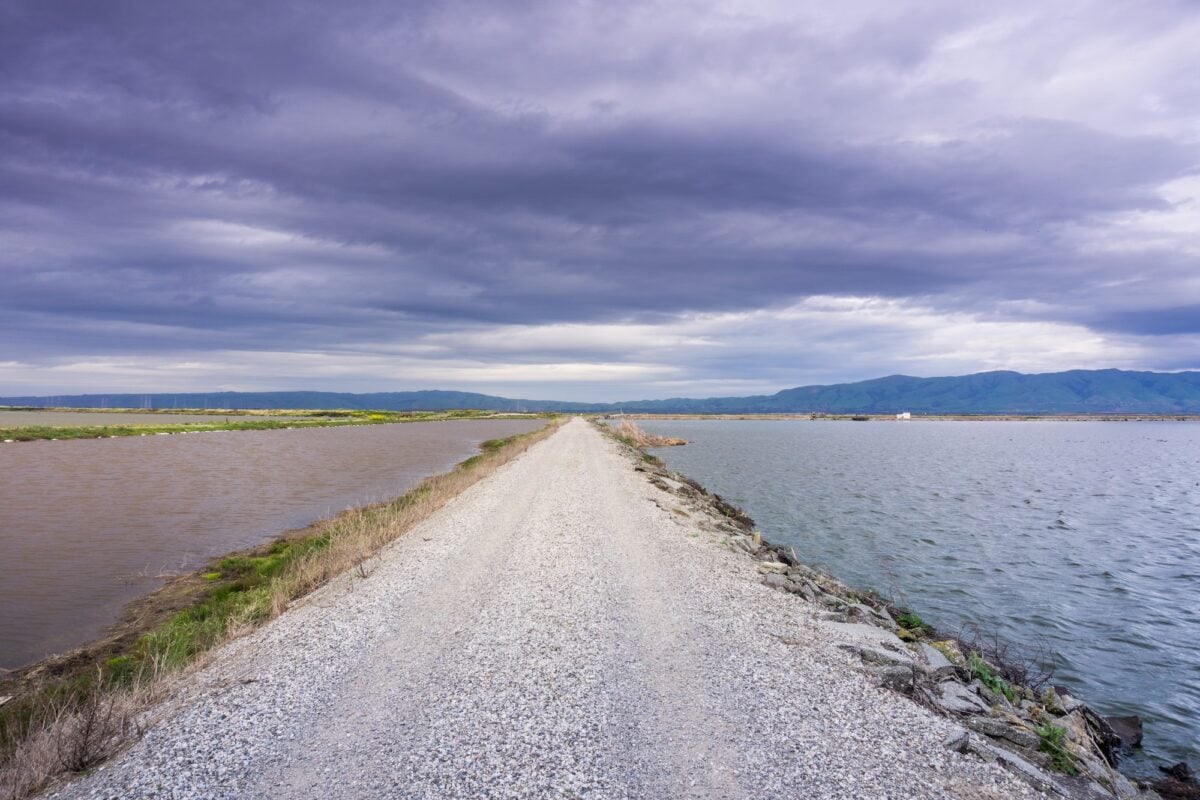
628 431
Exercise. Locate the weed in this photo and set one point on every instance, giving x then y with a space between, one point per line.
1054 744
89 728
1035 670
912 620
983 671
629 433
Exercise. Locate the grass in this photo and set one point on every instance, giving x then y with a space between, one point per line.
629 432
1054 744
987 676
913 622
325 419
68 722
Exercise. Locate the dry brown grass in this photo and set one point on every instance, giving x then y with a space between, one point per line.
634 435
357 536
72 731
74 734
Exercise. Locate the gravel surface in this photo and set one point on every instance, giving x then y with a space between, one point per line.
558 630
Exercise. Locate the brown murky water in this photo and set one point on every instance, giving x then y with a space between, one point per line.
88 525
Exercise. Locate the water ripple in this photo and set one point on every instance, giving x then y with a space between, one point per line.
1081 534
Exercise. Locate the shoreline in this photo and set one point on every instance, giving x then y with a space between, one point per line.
165 632
942 672
332 419
729 553
916 417
560 629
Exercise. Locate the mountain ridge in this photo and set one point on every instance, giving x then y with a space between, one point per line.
1105 391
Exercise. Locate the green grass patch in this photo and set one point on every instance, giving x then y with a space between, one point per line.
988 677
1054 744
913 622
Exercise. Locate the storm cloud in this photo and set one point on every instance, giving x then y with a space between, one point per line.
592 200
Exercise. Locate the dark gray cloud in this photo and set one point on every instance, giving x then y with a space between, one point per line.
364 180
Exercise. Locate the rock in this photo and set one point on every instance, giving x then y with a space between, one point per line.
668 484
939 666
1180 785
801 571
1065 701
1180 772
887 618
829 601
906 635
741 518
867 634
1125 788
989 697
1071 703
784 555
958 699
864 613
1128 729
1106 740
958 742
898 678
879 655
1021 767
771 566
777 581
1052 702
949 648
1091 742
744 543
1000 729
805 590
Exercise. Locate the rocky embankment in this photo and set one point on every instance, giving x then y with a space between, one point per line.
1048 737
562 628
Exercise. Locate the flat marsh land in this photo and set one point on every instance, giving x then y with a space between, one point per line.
27 425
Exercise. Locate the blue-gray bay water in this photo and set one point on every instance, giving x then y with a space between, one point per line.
1082 535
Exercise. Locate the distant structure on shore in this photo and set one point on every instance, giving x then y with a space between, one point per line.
904 415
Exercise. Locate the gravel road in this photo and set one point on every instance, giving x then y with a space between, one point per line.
558 630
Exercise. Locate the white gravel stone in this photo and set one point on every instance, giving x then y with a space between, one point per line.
552 632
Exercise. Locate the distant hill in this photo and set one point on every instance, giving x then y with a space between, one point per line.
1107 391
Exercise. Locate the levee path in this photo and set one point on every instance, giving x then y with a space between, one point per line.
561 629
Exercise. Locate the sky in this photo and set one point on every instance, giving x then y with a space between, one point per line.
593 200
